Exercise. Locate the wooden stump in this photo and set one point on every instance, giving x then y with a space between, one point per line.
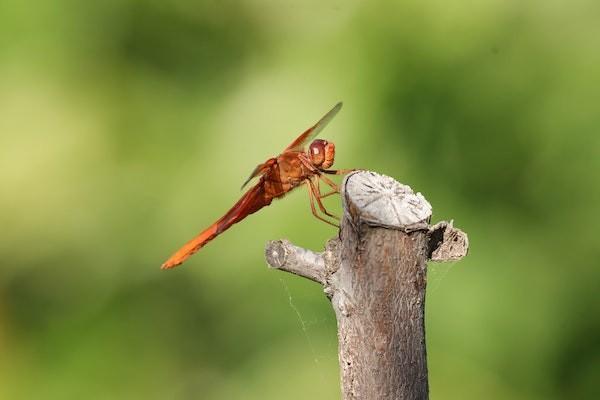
375 275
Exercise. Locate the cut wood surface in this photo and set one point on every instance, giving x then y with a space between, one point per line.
375 275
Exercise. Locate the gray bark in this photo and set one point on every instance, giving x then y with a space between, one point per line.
375 275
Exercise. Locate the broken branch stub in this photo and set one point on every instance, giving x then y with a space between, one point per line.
375 276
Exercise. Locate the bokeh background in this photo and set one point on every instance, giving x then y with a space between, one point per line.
128 126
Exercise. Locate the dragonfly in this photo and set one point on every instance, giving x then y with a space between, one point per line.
299 164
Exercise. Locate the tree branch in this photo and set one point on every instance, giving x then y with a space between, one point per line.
283 255
447 243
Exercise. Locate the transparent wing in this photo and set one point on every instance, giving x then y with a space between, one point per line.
257 171
312 132
260 170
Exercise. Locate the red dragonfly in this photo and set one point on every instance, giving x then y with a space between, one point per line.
277 176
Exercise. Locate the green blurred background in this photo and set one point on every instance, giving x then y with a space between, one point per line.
128 126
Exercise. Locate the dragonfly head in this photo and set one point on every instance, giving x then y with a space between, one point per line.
321 153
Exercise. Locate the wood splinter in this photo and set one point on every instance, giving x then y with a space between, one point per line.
375 276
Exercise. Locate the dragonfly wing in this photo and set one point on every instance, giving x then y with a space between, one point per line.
313 131
260 170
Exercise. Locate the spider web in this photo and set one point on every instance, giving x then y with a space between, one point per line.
436 272
304 325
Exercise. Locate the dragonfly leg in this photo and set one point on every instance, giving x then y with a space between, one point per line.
328 194
319 174
318 197
312 197
322 196
330 183
338 171
308 164
318 191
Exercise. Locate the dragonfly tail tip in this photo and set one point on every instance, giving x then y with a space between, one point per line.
167 265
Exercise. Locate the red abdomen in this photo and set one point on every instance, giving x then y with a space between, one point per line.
252 201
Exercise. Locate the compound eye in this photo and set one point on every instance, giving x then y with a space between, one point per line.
317 152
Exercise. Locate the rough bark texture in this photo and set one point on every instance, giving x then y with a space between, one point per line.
380 319
375 277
